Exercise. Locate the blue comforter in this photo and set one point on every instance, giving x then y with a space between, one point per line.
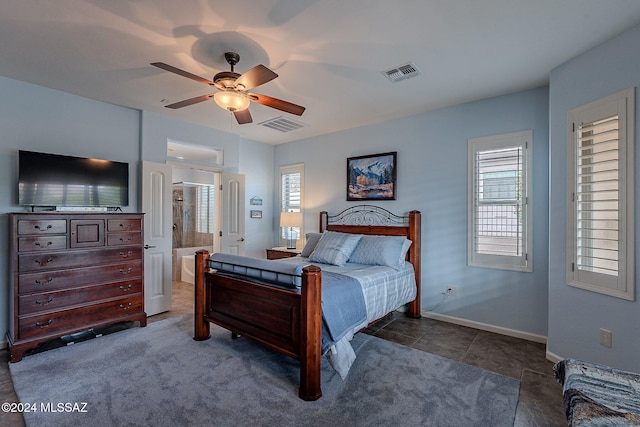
343 307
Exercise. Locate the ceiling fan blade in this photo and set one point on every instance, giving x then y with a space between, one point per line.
243 116
278 104
180 72
256 76
189 101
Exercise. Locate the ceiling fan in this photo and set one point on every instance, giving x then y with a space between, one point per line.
233 89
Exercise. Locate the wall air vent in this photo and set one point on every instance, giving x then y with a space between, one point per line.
402 72
283 124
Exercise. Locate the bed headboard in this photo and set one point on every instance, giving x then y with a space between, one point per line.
374 220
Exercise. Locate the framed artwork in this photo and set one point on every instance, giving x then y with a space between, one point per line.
372 177
256 214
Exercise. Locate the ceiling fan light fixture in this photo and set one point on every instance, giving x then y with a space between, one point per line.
231 101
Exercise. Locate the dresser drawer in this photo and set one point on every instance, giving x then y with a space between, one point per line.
58 260
59 322
42 226
124 224
74 278
124 238
56 300
41 243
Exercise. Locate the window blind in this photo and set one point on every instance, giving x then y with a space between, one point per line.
498 202
597 196
204 208
291 197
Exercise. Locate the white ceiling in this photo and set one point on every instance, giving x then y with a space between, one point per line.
329 54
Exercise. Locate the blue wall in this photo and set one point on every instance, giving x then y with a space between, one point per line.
576 315
432 178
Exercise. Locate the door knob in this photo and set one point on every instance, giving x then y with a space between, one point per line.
148 246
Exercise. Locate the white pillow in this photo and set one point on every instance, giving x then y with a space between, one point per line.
334 247
380 250
405 248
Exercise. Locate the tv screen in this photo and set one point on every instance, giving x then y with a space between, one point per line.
55 180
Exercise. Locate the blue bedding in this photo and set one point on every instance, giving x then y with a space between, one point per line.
343 306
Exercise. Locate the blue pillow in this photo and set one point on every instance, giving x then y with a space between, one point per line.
334 247
312 241
380 250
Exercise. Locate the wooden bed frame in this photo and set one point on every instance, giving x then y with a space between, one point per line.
287 320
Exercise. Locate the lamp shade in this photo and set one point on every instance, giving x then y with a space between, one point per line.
232 101
290 219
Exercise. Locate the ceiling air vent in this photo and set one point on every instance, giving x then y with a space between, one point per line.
402 72
283 124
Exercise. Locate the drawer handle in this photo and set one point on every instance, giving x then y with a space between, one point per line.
128 270
126 255
40 282
45 262
37 227
44 302
125 226
125 307
128 239
38 244
44 325
126 288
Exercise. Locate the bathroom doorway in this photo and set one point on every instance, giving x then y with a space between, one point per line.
196 213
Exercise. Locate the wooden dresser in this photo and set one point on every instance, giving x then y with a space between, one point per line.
71 272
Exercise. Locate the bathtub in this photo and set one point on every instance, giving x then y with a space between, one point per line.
184 263
188 266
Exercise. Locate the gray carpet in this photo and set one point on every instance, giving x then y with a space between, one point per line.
159 376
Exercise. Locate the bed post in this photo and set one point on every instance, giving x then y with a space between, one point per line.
415 233
201 326
310 333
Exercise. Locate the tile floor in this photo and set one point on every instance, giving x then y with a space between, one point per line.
540 401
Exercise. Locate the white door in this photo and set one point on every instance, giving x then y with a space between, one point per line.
233 213
156 204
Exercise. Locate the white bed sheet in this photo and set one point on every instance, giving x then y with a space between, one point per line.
385 289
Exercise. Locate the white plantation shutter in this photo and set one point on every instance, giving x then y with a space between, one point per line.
499 214
600 240
205 208
597 196
498 210
291 184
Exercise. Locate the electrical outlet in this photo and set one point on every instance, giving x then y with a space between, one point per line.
605 338
452 291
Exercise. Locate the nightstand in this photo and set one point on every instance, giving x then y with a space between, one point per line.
282 252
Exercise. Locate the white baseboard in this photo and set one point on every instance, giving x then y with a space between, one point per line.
487 327
554 357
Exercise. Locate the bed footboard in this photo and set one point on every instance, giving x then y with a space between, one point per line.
284 320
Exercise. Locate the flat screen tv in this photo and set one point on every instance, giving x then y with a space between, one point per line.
66 181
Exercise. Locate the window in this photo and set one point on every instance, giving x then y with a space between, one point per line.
600 241
498 202
204 208
291 195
